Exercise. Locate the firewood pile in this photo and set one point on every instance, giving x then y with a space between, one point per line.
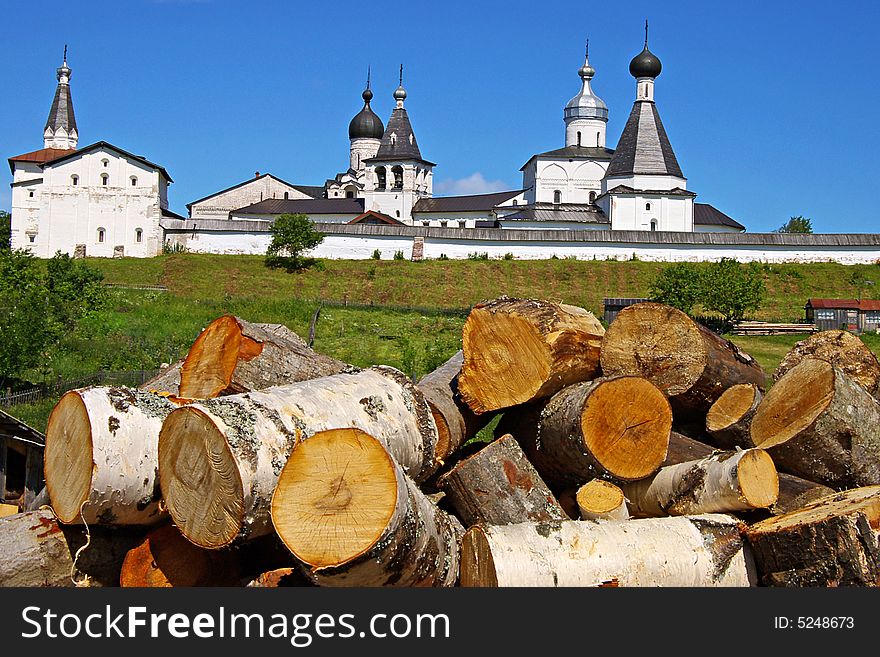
648 454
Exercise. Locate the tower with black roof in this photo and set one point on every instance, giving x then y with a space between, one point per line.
60 130
365 132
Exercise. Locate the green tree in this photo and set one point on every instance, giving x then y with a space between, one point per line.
799 224
732 289
679 285
293 235
858 278
5 230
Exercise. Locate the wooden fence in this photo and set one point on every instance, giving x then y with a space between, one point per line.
132 378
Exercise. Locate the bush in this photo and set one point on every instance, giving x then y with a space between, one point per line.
168 248
443 256
478 256
398 255
508 256
293 235
377 255
5 230
679 285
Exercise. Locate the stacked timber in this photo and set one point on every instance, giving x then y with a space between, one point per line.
279 466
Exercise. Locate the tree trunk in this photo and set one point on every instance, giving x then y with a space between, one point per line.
616 427
233 356
520 350
817 422
794 492
101 454
166 382
722 482
36 550
685 551
498 486
219 459
840 348
692 365
456 423
346 509
601 500
831 542
729 420
165 558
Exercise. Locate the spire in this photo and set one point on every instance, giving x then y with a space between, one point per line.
60 130
365 124
400 92
646 33
585 115
368 93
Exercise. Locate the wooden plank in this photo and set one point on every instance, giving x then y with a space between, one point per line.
2 468
33 475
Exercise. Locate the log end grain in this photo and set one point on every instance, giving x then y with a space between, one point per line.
213 357
335 497
199 479
477 564
731 406
840 348
599 499
758 479
68 456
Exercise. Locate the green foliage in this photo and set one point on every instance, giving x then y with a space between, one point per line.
732 289
679 285
377 255
478 256
508 256
168 248
443 256
5 230
859 279
799 224
398 255
293 235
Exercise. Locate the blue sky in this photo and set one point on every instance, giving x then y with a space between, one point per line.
770 106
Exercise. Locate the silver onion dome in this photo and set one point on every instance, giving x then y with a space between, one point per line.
586 105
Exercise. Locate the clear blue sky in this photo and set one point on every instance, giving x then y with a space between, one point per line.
770 106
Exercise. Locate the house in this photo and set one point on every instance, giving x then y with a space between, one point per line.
858 315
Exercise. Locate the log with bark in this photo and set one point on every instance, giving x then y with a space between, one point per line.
346 510
498 486
166 382
278 578
233 356
683 551
831 542
456 423
165 558
741 480
601 500
219 459
729 420
842 349
101 455
611 427
692 365
794 492
818 423
37 550
520 350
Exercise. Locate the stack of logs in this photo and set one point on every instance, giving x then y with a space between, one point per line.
644 455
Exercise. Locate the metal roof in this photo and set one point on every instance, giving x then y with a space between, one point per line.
404 145
40 156
468 203
575 153
68 154
844 304
572 212
707 215
644 147
310 190
353 206
11 427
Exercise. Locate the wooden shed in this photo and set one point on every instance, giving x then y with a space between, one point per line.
21 462
857 315
613 306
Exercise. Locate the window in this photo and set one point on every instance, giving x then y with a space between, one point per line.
592 197
515 203
286 196
349 194
872 317
648 207
597 139
105 163
557 197
397 213
74 180
101 234
653 224
32 238
426 223
138 235
462 224
380 178
30 193
105 179
134 181
397 171
825 315
579 137
443 224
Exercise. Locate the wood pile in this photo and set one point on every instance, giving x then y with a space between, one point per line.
649 454
771 328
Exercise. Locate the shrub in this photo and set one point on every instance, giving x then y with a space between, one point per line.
508 256
398 255
293 235
377 255
478 256
443 256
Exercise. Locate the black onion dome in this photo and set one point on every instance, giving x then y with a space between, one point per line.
645 65
366 125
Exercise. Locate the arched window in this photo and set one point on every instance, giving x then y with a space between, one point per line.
462 224
397 212
134 181
101 235
380 178
653 224
397 170
648 207
138 235
592 197
30 193
579 137
74 180
349 194
105 163
597 139
557 197
105 179
286 196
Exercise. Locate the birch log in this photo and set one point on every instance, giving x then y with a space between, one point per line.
831 542
219 459
729 420
233 356
347 511
818 423
842 349
613 427
725 481
601 500
692 365
101 454
456 423
498 486
685 551
520 350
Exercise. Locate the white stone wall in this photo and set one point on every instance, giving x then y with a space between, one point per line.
574 179
550 225
360 150
645 181
451 219
637 211
592 132
259 189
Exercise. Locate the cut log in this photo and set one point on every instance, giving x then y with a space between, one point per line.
37 550
520 350
684 551
613 427
818 423
166 382
794 492
347 511
842 349
233 356
498 486
692 365
725 481
601 500
219 459
165 558
101 454
831 542
729 420
278 578
456 423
